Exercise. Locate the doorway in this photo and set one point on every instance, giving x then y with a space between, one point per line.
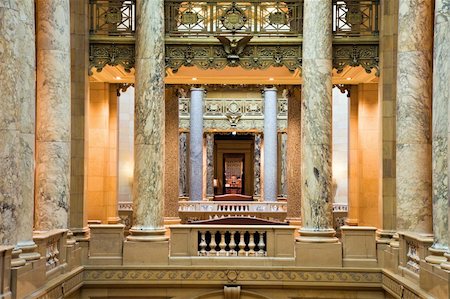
233 164
234 174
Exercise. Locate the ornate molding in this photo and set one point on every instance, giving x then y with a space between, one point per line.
101 55
227 114
216 57
251 57
122 87
356 55
231 276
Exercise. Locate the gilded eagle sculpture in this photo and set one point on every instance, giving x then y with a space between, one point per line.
233 48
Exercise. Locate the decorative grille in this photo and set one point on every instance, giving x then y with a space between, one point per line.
112 17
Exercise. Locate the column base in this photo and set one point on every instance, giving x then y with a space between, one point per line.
147 235
395 243
113 220
384 236
446 265
16 260
28 252
351 222
436 256
80 234
319 236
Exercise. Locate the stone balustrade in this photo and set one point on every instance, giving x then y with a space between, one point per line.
413 248
204 244
189 210
52 246
226 242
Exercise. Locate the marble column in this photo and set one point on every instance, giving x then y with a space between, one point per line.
196 145
183 157
293 153
257 167
148 180
316 120
414 77
441 95
210 165
53 115
270 145
171 164
17 127
283 160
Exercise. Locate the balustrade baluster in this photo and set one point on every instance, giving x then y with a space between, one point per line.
261 244
222 243
213 243
251 243
232 243
241 244
202 244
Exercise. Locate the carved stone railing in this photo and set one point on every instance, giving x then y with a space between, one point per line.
413 248
224 113
202 242
52 246
203 210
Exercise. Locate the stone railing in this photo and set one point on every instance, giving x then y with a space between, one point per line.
203 210
413 249
52 246
200 243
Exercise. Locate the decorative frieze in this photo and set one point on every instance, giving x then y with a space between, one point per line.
101 55
356 55
215 56
231 114
164 276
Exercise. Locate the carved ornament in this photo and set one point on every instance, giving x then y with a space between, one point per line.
356 55
249 57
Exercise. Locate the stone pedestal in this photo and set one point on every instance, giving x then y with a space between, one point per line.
270 145
316 120
359 246
106 244
53 115
196 145
415 42
148 181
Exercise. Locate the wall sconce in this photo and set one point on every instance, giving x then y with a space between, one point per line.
215 183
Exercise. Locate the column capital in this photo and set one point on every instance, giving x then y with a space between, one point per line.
269 88
198 88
